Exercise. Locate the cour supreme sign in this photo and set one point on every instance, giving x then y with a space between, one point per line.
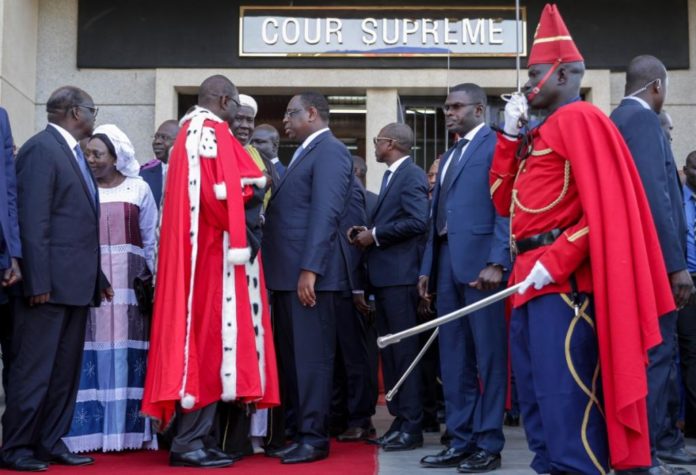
381 31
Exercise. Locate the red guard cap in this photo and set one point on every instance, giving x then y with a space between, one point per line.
552 40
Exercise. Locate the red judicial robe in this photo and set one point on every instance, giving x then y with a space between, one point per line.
211 336
580 177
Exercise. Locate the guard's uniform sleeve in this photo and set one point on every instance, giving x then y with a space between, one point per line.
568 252
502 174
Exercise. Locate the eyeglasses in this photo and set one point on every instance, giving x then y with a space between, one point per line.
93 110
376 140
458 105
236 102
291 112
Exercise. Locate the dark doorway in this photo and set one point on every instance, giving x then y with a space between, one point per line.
347 120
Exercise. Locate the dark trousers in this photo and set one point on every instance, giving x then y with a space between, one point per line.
47 345
663 390
686 329
352 355
307 343
193 428
549 375
396 310
432 390
473 362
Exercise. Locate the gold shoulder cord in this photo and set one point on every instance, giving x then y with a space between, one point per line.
554 203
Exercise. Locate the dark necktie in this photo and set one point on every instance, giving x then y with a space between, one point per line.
453 160
385 180
86 175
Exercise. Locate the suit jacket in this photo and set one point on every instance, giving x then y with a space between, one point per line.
477 235
401 220
279 168
371 200
652 154
58 222
353 215
302 218
151 172
9 227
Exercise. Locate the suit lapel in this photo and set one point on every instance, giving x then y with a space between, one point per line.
299 159
468 153
392 182
73 162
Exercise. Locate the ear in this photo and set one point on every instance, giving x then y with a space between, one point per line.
313 113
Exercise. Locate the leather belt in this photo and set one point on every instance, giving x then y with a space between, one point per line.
536 241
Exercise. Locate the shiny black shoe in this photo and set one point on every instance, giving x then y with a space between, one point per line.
446 458
353 434
280 453
511 420
71 459
304 453
404 441
679 456
480 462
385 439
26 464
200 458
660 469
222 455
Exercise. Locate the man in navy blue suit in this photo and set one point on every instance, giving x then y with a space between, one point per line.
465 261
10 245
299 247
637 120
58 208
397 225
154 171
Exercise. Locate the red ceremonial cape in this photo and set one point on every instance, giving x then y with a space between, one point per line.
631 289
177 357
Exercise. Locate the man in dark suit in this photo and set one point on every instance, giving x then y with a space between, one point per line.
397 226
59 227
266 140
154 171
10 245
465 261
360 172
637 120
353 401
300 240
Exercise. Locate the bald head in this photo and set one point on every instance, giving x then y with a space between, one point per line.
219 95
402 135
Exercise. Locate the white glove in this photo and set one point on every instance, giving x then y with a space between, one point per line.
538 277
515 109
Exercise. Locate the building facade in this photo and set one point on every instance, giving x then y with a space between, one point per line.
141 64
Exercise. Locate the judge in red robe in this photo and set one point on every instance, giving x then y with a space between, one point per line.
593 274
211 336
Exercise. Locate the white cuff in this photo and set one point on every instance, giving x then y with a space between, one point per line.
374 236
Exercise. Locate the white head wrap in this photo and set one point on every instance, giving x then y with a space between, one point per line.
249 102
125 153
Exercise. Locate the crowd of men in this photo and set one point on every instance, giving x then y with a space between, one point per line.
272 282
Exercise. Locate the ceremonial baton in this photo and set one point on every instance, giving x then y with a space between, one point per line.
390 339
518 52
390 395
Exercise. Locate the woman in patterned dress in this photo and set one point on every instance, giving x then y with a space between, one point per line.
107 414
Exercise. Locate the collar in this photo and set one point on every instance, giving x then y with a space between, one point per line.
639 101
394 166
689 193
316 134
472 133
275 160
66 136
